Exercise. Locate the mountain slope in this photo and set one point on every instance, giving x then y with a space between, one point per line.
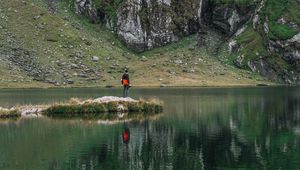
43 43
264 35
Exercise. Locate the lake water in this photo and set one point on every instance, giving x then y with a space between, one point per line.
201 128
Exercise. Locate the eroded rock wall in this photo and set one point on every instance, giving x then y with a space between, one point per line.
146 24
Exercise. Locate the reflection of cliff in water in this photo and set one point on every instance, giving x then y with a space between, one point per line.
257 132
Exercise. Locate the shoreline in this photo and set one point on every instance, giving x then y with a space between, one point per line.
153 86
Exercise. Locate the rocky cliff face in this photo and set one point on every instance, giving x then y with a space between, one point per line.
87 8
272 54
146 24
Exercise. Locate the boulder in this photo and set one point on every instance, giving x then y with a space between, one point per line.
95 58
86 8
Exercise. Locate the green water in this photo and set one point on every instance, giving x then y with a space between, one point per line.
201 128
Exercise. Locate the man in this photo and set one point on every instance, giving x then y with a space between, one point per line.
126 83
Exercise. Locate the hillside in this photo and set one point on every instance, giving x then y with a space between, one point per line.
262 35
44 43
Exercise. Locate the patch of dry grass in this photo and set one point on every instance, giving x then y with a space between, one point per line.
78 108
9 113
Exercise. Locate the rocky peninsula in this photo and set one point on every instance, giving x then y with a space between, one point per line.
107 107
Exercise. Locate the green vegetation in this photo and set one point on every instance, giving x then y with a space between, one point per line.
254 48
280 31
235 2
106 7
277 14
181 45
252 43
275 10
98 109
109 7
9 114
57 41
59 37
292 13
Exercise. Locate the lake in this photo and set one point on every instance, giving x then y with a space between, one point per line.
201 128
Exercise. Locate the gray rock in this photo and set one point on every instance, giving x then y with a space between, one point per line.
83 75
201 38
74 66
86 8
37 17
233 46
69 81
295 39
140 27
95 58
143 58
239 61
178 62
163 85
113 67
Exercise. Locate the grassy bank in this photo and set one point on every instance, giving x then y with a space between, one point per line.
9 114
100 110
105 107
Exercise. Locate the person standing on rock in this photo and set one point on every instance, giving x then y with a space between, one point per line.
126 83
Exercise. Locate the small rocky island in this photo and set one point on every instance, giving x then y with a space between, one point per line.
107 107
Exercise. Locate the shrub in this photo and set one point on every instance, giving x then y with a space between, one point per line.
281 32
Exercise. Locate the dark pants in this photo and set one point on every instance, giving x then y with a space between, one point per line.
125 91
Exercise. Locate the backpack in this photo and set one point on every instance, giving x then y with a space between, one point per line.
125 82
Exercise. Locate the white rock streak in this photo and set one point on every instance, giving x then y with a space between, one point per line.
200 11
107 99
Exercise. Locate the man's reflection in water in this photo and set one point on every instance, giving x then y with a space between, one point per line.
126 134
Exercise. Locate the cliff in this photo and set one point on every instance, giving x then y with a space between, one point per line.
146 24
263 35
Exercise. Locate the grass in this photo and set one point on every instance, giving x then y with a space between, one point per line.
275 10
281 31
100 109
76 108
252 43
183 44
292 13
108 7
48 37
9 114
235 2
278 63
